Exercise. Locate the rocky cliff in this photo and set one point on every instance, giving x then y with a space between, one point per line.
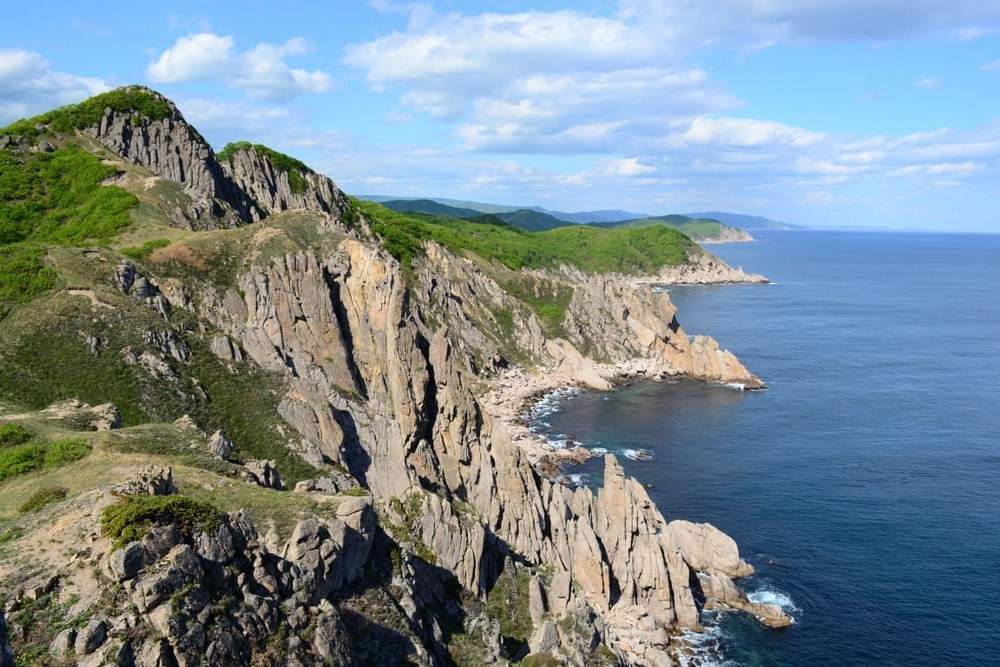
421 533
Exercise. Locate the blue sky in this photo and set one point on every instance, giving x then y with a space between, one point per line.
882 113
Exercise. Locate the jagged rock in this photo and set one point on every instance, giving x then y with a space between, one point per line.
169 344
719 590
262 473
545 639
155 653
103 417
180 568
150 481
63 643
224 348
220 444
174 150
702 269
271 188
536 600
707 549
125 563
334 481
91 637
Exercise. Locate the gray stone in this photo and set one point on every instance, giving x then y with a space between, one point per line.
63 643
262 473
125 563
91 637
220 444
545 639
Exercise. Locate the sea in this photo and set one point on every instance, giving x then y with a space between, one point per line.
864 482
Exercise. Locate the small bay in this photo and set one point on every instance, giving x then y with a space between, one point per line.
864 483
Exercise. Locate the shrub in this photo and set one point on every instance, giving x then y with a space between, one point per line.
132 516
61 452
23 458
141 252
20 459
13 434
178 254
43 497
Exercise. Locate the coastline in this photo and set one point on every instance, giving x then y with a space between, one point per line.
517 391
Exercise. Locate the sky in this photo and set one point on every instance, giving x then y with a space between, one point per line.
826 113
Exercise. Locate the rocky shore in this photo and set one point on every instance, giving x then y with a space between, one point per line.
394 387
702 270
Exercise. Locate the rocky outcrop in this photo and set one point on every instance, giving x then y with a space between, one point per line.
275 189
174 150
220 596
701 269
726 234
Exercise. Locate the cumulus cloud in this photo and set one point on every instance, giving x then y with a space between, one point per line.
29 85
261 71
550 82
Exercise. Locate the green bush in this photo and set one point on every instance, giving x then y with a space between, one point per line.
13 434
43 497
21 459
140 253
132 516
62 452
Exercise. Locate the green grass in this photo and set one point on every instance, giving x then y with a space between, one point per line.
52 198
24 458
140 253
591 249
132 516
242 399
295 169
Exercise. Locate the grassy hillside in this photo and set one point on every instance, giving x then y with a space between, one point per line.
592 249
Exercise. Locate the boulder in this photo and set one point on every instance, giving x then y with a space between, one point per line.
220 444
91 637
707 549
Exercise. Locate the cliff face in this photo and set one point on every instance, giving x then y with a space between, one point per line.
417 487
272 188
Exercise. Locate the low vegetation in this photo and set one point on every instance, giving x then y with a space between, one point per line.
132 516
89 112
591 249
20 455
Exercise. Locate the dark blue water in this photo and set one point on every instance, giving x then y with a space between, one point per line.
869 471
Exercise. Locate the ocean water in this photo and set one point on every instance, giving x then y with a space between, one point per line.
864 483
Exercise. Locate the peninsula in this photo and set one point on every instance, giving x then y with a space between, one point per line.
246 419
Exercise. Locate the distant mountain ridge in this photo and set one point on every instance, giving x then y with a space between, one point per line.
748 222
537 220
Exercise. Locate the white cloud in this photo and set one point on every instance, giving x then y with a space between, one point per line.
927 82
28 85
760 23
262 71
993 66
740 133
628 167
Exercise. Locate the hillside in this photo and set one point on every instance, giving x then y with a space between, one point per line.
701 230
246 419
